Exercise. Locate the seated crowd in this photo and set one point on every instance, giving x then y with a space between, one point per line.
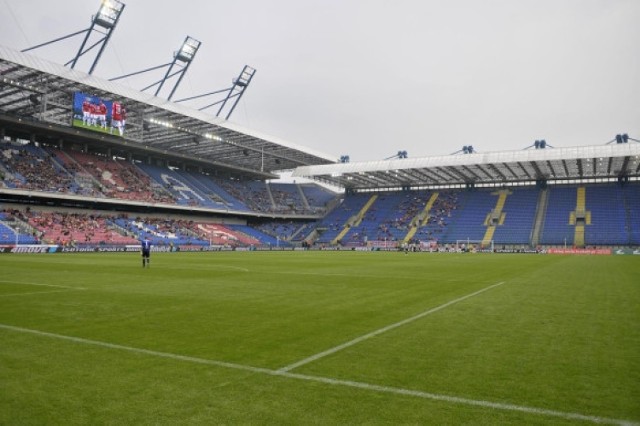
79 229
33 172
33 168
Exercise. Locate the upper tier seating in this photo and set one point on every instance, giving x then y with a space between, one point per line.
30 168
184 191
117 179
317 197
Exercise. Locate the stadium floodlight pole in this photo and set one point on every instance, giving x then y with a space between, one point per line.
400 155
467 149
183 57
622 138
240 84
220 101
203 95
106 18
539 144
140 72
160 81
53 41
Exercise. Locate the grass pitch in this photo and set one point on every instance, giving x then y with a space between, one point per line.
319 338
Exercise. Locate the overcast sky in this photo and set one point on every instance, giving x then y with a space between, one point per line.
368 78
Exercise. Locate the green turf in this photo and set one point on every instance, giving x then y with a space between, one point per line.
557 336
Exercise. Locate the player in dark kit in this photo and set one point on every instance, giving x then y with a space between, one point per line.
145 249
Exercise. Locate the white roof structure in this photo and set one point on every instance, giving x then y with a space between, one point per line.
492 168
36 98
153 123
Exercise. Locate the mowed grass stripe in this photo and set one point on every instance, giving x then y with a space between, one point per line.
333 382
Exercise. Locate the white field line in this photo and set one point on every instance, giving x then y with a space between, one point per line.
212 267
40 284
383 330
334 382
34 292
320 274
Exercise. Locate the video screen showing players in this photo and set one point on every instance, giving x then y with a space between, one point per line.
98 114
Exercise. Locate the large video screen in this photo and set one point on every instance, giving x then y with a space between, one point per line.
98 114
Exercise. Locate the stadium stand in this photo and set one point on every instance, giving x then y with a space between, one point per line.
30 168
605 207
287 198
117 179
631 200
468 219
216 193
253 237
577 197
557 228
318 198
184 192
431 226
162 232
388 218
283 230
76 229
516 221
341 218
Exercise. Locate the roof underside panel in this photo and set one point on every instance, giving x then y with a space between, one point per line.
36 94
43 91
551 164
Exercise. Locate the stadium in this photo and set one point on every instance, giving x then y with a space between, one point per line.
477 287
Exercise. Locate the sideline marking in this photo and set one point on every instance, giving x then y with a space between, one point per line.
329 274
43 285
335 382
383 330
209 268
34 292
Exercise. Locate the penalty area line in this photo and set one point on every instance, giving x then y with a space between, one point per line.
334 382
35 292
42 285
367 336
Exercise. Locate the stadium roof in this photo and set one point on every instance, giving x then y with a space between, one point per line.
36 94
581 163
43 91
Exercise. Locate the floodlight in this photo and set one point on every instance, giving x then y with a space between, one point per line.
109 13
188 49
239 82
